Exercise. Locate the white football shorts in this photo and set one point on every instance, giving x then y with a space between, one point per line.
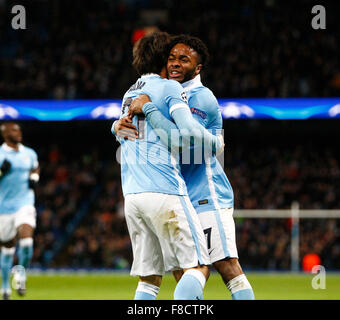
219 229
165 233
9 223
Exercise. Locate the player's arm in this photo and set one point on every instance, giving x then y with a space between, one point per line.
210 103
189 127
178 134
167 130
4 168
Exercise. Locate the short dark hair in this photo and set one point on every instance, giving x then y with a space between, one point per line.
150 53
5 124
195 43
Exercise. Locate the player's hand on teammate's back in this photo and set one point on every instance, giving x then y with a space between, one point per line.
136 106
125 129
5 167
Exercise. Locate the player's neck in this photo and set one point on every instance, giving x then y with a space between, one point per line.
192 83
13 145
163 73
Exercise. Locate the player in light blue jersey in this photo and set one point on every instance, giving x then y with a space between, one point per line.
19 174
208 186
164 228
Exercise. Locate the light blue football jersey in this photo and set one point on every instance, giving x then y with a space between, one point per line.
146 163
208 186
14 190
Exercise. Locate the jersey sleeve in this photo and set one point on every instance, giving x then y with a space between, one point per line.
185 127
35 162
216 122
175 96
215 116
207 101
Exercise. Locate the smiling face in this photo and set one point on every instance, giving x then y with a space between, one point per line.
183 63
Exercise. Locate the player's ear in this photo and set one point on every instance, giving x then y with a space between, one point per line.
198 69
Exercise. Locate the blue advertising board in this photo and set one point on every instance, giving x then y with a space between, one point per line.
264 108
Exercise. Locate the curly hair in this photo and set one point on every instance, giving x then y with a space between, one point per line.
194 43
150 53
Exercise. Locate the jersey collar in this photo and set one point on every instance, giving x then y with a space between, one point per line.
7 148
193 83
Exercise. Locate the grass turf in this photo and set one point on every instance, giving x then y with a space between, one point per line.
267 286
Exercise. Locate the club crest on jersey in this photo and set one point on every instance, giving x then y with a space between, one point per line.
199 112
26 160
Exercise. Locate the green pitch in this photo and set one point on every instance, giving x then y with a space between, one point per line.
266 286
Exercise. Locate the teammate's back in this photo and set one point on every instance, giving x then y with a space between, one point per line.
147 164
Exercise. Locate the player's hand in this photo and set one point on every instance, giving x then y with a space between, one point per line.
125 129
136 106
33 180
5 167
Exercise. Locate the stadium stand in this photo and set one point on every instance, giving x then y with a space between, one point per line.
258 49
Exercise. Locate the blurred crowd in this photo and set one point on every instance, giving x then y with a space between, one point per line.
273 177
270 179
265 244
102 239
73 187
63 186
77 49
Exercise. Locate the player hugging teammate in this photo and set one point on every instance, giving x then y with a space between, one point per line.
146 185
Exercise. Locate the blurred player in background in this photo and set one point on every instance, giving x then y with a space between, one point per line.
164 228
209 189
19 174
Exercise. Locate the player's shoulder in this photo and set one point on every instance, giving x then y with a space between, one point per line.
205 94
3 150
165 88
170 84
29 150
204 97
